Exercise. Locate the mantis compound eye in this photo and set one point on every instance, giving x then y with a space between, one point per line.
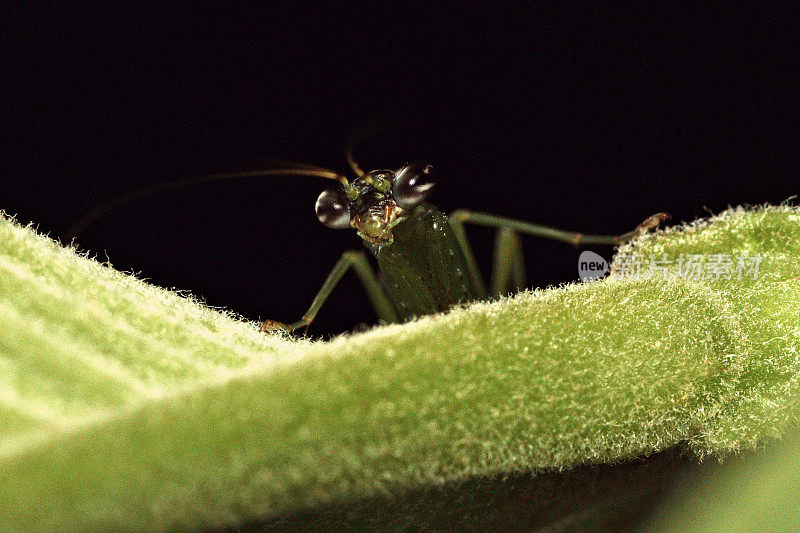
333 210
413 184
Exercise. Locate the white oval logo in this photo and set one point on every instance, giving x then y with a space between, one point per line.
591 266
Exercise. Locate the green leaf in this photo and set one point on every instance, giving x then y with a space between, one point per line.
760 492
126 406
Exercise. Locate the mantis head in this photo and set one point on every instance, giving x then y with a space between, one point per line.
376 202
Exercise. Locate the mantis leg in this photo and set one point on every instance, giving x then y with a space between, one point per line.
508 271
358 261
462 216
508 268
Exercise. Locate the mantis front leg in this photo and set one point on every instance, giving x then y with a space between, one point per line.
358 261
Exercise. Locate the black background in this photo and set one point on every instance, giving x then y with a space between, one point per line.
588 120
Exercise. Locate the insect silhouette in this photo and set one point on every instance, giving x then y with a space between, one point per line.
424 259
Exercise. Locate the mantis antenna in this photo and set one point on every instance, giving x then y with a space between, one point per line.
282 168
352 162
286 169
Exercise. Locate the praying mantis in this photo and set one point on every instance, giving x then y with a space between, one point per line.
425 262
